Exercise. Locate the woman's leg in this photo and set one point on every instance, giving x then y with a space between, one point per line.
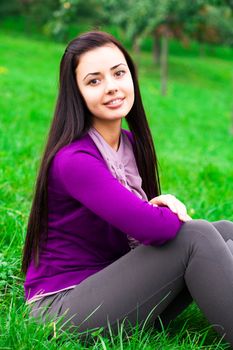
179 304
225 228
151 277
184 298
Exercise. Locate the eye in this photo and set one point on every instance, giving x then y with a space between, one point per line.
93 82
120 72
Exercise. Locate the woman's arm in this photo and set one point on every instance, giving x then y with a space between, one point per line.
87 179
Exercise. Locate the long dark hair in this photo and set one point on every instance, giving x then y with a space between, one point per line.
70 122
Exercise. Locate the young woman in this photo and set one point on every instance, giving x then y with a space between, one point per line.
102 243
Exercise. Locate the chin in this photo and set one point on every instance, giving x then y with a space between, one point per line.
114 118
111 116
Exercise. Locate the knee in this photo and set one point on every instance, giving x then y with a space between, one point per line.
200 230
199 225
226 222
223 223
225 228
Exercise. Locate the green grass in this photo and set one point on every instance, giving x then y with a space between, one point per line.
191 130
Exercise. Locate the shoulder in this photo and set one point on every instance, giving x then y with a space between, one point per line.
83 145
79 153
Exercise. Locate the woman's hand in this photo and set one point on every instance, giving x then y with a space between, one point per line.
172 203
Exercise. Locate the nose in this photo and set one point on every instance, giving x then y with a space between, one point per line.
110 86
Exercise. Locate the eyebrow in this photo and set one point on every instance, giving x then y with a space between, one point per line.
97 73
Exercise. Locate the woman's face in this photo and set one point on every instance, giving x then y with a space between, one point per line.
105 82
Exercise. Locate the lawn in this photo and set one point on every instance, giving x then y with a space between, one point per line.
191 131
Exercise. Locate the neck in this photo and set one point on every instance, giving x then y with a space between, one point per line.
111 132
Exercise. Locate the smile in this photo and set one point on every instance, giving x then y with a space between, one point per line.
116 102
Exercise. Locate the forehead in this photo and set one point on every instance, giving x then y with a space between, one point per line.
100 58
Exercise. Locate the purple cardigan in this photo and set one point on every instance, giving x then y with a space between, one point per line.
90 215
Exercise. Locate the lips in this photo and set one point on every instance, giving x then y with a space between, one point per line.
114 101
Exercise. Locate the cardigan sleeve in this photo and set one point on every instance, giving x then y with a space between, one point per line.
87 179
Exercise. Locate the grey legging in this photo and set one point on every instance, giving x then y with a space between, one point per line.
196 265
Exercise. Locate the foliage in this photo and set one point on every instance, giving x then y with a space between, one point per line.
70 13
205 20
8 8
36 12
183 19
213 24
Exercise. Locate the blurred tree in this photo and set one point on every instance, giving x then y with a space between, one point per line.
37 13
161 19
231 128
33 13
213 24
9 8
71 12
206 21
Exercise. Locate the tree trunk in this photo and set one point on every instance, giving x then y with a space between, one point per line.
231 127
157 49
137 50
164 64
202 48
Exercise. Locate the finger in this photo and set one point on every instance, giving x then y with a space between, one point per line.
163 199
179 211
175 206
171 197
154 205
179 204
172 206
187 219
179 208
156 200
182 206
184 218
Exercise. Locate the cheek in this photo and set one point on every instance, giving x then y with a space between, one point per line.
89 95
131 91
91 98
129 87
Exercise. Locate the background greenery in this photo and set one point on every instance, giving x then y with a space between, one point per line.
191 127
